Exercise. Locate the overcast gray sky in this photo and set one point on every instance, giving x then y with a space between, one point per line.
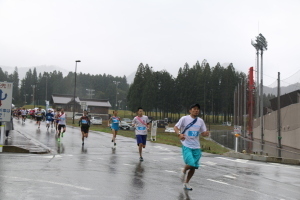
114 36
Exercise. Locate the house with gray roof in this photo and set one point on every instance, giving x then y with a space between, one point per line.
100 106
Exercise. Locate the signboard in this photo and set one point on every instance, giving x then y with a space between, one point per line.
83 105
5 101
237 129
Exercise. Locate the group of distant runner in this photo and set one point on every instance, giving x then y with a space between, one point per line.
188 129
53 119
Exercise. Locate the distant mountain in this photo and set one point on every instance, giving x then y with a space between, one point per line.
130 78
283 89
39 69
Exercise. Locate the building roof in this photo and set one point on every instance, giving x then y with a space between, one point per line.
65 99
286 100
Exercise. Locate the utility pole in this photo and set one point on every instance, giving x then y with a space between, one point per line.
245 112
279 117
116 82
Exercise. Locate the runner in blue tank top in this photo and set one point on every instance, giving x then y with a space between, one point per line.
115 121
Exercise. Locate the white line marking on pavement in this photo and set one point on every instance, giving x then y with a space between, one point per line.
221 182
51 182
241 160
228 176
128 164
210 163
170 171
260 164
217 181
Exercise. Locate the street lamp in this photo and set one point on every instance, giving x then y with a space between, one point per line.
33 88
120 101
261 44
25 97
75 90
90 93
116 82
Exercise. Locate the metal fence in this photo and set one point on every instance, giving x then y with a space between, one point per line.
227 139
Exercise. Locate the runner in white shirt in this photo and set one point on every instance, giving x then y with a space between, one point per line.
38 116
24 115
141 124
189 128
62 118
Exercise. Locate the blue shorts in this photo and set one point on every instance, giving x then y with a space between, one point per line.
141 139
191 157
115 126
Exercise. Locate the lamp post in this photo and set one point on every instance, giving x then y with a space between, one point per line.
25 97
90 93
33 88
116 82
75 90
120 101
261 44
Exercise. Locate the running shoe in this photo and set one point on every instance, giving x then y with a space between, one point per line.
187 186
82 143
58 139
112 140
115 144
62 134
141 159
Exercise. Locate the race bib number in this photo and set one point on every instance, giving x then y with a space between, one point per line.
83 121
115 121
193 133
141 128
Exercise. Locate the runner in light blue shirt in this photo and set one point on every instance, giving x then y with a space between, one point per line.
189 128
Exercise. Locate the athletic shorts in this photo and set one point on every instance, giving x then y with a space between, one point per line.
191 157
24 116
61 126
115 126
141 139
38 119
85 129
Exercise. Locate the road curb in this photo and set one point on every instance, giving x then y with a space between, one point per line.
262 158
30 146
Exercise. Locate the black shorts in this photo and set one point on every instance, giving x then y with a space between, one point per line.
61 126
38 119
85 129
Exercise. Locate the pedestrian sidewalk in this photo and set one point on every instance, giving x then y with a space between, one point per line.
18 142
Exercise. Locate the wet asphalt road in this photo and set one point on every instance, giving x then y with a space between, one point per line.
95 171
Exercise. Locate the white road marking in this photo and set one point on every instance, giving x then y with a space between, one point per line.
260 164
210 163
221 182
52 156
162 148
170 171
228 176
51 182
171 158
128 164
217 181
241 160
